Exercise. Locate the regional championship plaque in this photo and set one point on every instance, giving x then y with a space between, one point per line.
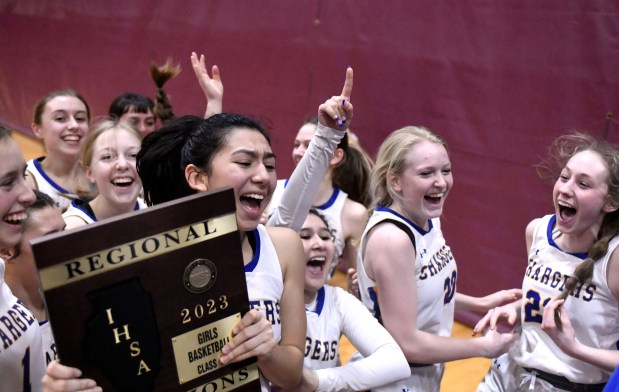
146 301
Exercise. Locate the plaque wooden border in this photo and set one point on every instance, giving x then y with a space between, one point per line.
146 300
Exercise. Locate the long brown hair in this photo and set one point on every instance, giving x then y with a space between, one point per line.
163 108
561 150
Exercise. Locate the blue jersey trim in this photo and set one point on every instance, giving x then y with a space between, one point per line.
320 300
419 229
551 241
77 203
329 203
374 299
249 267
37 165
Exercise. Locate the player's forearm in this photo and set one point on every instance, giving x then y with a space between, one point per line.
213 107
604 359
301 189
283 367
467 303
384 366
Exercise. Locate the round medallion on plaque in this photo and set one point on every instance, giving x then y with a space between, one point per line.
199 275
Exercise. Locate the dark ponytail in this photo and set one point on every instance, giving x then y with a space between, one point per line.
159 161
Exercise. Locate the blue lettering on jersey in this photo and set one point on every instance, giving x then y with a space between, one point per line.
374 299
269 308
439 260
555 279
14 323
318 350
51 354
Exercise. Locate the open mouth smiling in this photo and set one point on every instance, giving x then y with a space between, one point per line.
123 182
15 218
566 210
316 264
253 200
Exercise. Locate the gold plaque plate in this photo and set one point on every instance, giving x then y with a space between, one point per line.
197 352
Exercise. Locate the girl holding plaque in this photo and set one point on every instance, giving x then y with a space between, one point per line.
190 155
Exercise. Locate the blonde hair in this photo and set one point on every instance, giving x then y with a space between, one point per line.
85 191
391 159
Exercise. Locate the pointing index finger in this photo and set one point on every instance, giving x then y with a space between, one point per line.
347 90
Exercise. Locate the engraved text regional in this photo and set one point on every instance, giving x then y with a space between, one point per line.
133 252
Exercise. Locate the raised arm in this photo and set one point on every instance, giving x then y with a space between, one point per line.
212 88
333 119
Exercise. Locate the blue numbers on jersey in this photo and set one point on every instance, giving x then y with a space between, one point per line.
450 288
533 311
25 364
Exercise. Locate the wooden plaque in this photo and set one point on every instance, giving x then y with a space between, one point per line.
145 301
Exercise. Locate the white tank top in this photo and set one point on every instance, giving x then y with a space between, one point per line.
45 184
265 283
435 268
80 209
593 310
22 363
435 276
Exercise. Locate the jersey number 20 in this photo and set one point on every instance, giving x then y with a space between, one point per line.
450 288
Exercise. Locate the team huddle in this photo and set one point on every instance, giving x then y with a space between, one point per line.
377 221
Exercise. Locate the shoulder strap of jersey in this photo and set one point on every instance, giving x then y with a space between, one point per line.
402 226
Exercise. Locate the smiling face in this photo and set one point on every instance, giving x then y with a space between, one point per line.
40 222
302 141
245 163
581 194
15 195
112 167
422 187
319 252
63 126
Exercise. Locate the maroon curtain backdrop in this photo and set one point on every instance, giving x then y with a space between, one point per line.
499 80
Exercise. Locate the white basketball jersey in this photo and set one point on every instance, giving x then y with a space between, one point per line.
48 341
22 364
265 283
593 310
332 210
435 274
45 184
323 330
80 209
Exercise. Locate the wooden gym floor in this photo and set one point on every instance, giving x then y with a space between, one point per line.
460 376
